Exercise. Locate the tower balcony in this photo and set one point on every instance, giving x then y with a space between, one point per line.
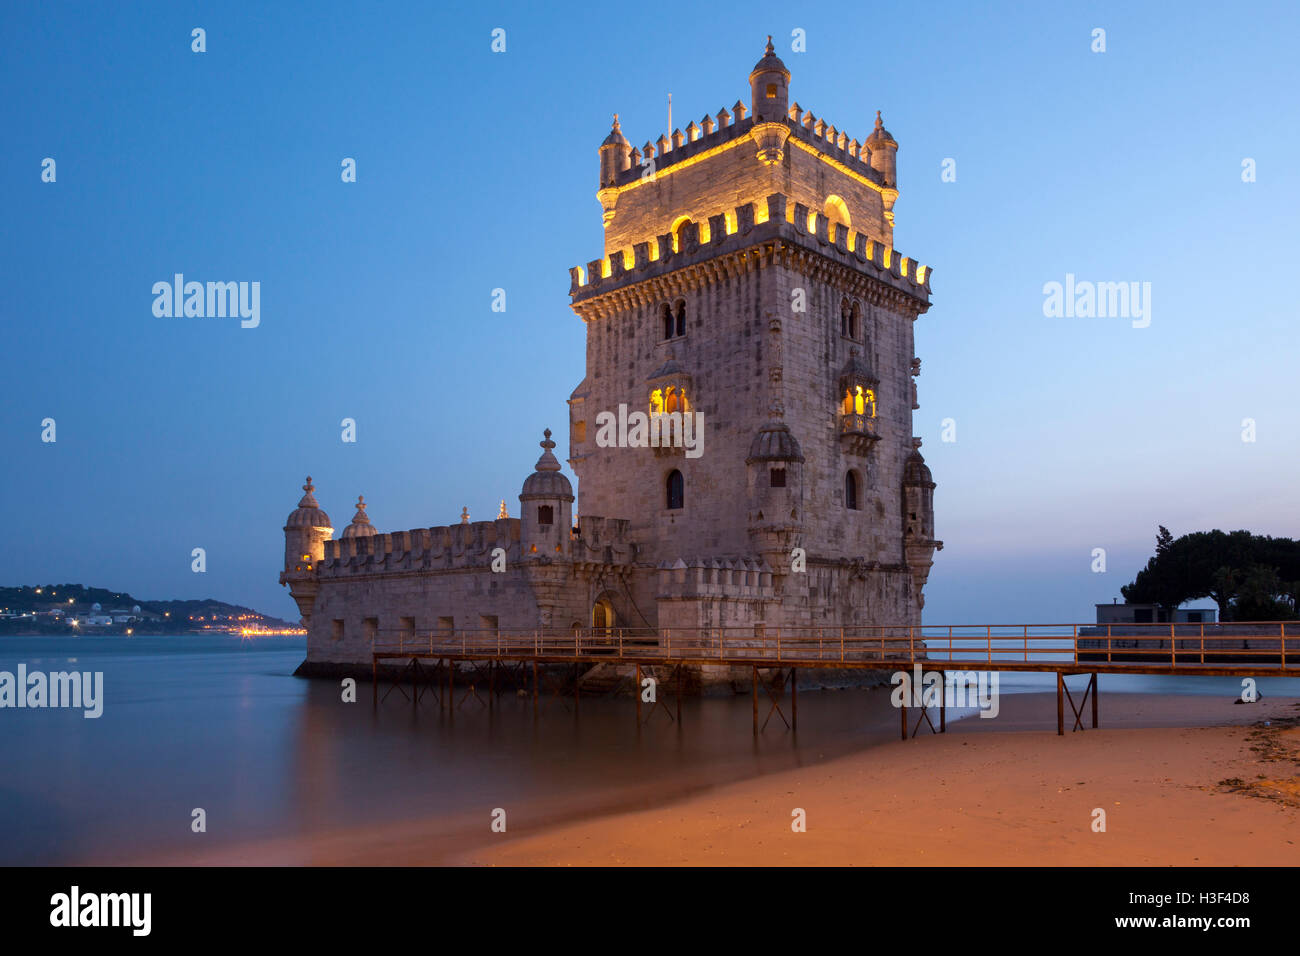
858 432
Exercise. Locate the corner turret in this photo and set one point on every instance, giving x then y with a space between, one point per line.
884 152
305 532
546 507
769 88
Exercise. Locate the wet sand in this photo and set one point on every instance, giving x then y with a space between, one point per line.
1183 781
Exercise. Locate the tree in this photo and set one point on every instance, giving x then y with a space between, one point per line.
1247 575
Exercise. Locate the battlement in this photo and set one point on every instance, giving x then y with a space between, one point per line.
443 547
708 577
711 136
740 228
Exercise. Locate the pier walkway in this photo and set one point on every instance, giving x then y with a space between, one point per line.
1246 649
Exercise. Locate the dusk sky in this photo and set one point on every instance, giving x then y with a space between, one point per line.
478 170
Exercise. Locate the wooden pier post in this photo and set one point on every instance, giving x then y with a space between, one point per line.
638 696
755 701
534 690
1094 701
903 710
679 696
1060 704
794 698
943 702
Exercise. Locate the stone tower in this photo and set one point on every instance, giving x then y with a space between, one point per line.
305 532
749 280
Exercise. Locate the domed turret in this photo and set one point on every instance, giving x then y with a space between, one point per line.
305 532
774 442
546 506
360 526
916 471
769 88
884 152
774 478
615 155
546 480
919 543
308 514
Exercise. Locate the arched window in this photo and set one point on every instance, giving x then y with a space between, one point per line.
666 319
844 316
851 490
837 214
676 490
777 477
855 321
678 226
681 316
545 514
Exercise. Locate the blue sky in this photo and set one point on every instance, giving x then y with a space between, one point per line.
478 170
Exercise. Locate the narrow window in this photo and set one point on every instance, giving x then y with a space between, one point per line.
545 514
666 317
778 477
844 317
681 316
336 629
771 91
676 490
851 491
855 321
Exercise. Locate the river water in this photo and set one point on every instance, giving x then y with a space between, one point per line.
220 724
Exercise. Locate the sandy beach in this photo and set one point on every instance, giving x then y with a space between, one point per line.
1183 781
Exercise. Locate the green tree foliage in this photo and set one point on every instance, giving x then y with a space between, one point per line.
1249 576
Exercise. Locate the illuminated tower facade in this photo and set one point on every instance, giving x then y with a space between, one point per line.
749 280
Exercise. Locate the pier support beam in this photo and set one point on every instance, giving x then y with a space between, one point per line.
1060 704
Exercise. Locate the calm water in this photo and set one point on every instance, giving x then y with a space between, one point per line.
220 723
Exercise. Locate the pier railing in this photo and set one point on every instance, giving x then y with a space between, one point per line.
1246 647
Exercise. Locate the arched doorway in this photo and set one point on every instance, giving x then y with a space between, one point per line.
603 617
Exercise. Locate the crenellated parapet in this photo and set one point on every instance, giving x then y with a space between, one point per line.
445 547
713 134
710 578
746 226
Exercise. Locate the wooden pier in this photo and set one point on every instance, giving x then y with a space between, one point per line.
774 656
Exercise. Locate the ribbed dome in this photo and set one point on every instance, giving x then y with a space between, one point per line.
880 136
774 442
916 471
308 514
546 481
360 526
771 63
616 137
857 368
